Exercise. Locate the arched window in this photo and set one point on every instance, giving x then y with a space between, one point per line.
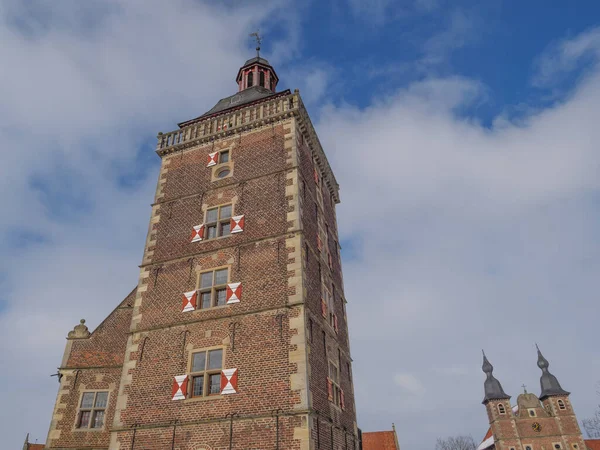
250 79
262 79
561 405
501 409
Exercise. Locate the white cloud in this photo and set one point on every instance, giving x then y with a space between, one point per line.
409 383
463 238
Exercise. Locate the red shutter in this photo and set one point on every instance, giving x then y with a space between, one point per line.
189 301
197 233
342 402
229 381
233 294
179 390
335 324
329 389
316 174
212 159
237 224
323 308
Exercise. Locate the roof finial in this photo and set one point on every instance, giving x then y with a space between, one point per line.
548 382
256 36
492 387
524 386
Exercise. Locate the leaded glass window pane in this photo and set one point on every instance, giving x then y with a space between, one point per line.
198 388
98 420
226 212
101 398
226 229
215 358
206 279
215 383
198 362
211 215
206 300
221 276
212 232
84 419
221 297
87 401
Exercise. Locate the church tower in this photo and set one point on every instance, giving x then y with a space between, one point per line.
547 422
236 334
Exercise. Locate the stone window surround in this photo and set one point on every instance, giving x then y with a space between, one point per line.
223 165
189 372
76 427
213 293
219 220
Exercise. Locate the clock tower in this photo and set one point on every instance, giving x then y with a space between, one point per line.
235 336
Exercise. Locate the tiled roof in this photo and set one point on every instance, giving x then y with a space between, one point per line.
593 444
379 440
36 447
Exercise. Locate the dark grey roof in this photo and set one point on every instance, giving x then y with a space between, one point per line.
548 382
257 59
239 98
493 388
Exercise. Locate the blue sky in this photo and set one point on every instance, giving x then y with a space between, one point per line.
463 135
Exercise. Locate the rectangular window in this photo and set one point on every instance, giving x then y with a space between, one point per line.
206 372
334 376
92 410
218 221
224 156
328 299
213 288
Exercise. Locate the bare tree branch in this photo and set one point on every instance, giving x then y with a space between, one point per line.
456 443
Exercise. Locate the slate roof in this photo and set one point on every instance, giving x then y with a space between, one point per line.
239 98
379 440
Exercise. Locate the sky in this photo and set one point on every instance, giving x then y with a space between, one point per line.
464 136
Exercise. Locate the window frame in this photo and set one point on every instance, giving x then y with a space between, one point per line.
218 223
329 302
501 409
335 384
562 406
206 373
93 410
213 289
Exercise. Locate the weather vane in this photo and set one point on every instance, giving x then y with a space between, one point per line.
256 36
524 386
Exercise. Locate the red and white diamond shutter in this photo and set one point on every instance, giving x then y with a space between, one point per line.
329 389
213 159
229 381
197 233
180 383
323 308
342 400
189 301
237 224
233 294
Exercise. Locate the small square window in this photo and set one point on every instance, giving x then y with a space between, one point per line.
206 372
218 221
224 156
92 409
213 288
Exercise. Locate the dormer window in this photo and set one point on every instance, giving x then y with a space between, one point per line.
561 405
501 409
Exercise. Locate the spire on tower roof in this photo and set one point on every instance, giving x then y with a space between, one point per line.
493 388
548 382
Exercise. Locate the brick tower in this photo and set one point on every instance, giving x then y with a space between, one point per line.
236 335
547 422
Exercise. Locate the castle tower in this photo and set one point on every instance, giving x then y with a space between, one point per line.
546 422
236 335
